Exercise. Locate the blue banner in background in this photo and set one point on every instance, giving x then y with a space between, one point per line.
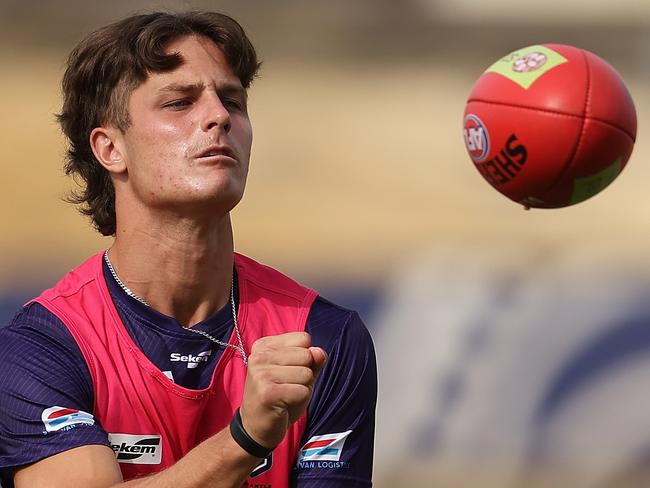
508 368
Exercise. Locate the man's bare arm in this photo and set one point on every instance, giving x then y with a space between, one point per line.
217 462
91 466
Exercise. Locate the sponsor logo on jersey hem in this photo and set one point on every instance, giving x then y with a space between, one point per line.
136 449
62 418
326 447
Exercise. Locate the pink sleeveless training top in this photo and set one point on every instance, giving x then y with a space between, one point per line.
153 422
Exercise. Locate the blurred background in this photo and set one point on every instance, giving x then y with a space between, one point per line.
513 346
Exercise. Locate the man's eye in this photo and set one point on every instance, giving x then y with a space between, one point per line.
231 103
178 104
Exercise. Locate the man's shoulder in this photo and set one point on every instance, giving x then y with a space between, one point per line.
330 324
75 279
33 327
324 308
32 316
270 279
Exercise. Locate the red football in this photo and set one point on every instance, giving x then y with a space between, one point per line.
550 125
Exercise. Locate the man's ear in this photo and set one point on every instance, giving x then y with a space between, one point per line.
106 143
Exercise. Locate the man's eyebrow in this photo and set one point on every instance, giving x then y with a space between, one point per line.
229 88
232 89
182 87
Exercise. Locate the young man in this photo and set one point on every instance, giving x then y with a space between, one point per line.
170 360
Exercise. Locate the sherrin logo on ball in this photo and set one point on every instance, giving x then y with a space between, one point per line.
477 139
562 125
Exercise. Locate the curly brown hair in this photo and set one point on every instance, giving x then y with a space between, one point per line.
107 66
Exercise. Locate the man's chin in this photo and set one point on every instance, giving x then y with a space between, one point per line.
216 204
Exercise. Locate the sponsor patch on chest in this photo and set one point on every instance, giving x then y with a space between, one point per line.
136 449
191 360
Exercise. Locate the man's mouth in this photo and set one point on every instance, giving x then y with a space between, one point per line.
214 151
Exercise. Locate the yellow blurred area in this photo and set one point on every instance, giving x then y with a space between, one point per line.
353 168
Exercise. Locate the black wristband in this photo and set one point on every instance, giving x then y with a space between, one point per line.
245 441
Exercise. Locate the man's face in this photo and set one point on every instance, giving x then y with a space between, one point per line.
188 145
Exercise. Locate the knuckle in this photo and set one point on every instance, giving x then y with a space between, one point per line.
303 393
307 376
268 394
265 376
305 339
259 344
258 358
305 357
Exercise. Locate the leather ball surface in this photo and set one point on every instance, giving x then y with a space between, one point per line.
550 125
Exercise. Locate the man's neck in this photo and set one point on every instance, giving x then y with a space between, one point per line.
181 269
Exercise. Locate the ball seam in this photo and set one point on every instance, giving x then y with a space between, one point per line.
554 112
576 148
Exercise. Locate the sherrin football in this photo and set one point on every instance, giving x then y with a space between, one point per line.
550 125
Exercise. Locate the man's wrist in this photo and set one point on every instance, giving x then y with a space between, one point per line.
244 440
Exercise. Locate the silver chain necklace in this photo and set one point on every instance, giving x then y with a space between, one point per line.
239 348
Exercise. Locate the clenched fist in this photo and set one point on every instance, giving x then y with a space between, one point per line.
282 370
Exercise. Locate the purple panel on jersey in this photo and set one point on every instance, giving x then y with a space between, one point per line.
339 439
40 367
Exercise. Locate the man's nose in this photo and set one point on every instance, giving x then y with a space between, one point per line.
215 114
